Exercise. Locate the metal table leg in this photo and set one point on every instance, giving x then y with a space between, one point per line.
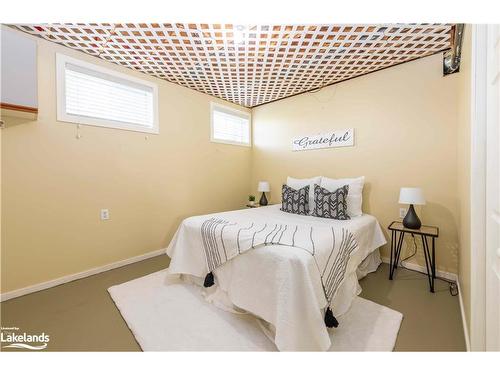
400 246
393 240
429 261
397 253
433 263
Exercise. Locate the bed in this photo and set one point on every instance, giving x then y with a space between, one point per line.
279 283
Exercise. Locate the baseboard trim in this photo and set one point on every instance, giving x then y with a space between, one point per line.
464 321
417 267
449 276
80 275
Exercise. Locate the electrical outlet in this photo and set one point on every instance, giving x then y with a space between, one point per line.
402 213
104 214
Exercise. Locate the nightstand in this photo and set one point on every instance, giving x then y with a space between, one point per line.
426 233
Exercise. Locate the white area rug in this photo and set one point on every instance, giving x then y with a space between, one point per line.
166 315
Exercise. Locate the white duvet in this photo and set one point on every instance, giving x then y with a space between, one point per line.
279 284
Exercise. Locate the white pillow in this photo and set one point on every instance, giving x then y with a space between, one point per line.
355 195
299 183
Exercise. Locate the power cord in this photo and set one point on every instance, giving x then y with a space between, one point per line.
452 284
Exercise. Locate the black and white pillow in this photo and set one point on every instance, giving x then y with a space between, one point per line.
295 201
331 204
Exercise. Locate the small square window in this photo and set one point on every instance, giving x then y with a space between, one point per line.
230 126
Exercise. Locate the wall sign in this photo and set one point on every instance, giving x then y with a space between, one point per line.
335 138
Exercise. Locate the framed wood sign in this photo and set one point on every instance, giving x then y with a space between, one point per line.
334 138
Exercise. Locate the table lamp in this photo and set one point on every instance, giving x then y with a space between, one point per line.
263 188
411 196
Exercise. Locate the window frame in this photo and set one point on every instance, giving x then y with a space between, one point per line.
223 108
62 115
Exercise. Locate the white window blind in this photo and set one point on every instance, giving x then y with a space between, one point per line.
230 126
95 96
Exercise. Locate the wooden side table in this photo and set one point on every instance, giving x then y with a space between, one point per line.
398 232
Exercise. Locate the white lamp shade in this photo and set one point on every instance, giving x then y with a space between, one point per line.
408 195
263 187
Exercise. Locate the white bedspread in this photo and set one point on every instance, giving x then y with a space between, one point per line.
279 284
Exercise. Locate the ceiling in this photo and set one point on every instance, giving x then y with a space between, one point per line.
250 64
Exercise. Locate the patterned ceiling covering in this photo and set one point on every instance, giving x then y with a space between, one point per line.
250 64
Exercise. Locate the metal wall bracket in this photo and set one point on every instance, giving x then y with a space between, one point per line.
451 59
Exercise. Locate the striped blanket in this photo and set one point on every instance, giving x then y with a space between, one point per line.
330 247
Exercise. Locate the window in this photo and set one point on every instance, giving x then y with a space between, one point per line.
230 125
92 95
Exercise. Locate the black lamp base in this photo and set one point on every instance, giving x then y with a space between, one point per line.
411 220
263 200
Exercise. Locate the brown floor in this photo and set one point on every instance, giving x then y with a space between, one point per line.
80 316
431 321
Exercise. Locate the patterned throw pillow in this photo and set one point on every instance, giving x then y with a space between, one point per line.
295 201
331 204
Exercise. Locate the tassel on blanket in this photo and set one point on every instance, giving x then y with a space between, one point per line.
209 280
330 320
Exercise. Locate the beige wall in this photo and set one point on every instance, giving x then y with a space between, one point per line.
464 173
405 120
54 185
